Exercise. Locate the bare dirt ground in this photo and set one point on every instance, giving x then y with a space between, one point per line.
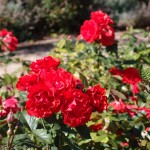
35 50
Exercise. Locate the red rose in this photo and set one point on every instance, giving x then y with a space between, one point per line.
10 104
42 101
107 36
9 41
118 106
98 29
4 32
115 71
131 76
96 127
101 18
76 108
124 144
61 80
121 107
147 129
25 82
89 31
97 98
45 64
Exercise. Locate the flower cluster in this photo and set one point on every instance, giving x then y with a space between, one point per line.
98 28
129 76
8 41
8 105
52 89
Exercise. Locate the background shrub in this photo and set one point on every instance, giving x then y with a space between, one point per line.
35 18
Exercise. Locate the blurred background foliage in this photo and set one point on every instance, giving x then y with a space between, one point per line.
35 18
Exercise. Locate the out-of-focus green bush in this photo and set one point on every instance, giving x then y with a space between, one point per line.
35 18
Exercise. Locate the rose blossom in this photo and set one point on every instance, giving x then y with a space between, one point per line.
96 127
9 41
61 81
107 36
9 104
76 108
101 18
42 101
45 64
124 144
121 107
26 81
89 30
115 71
118 106
97 98
98 29
129 76
45 85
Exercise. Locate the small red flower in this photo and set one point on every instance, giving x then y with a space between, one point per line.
124 144
107 36
96 127
97 98
131 76
10 104
9 41
147 129
118 106
115 71
121 107
76 108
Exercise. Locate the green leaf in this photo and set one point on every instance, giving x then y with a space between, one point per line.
118 94
144 52
79 47
29 121
23 139
100 138
84 79
62 43
43 136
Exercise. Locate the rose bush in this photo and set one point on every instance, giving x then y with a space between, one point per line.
89 94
